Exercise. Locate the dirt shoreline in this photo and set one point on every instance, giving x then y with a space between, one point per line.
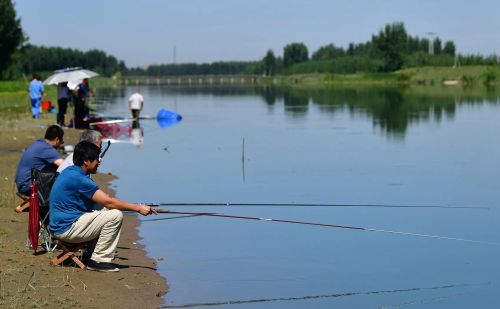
27 280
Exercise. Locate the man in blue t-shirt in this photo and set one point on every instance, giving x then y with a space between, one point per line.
37 91
41 155
72 200
81 103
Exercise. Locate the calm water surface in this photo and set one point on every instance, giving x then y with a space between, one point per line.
354 146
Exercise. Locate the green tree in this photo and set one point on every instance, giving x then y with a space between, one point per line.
424 45
350 49
438 46
11 34
270 63
328 52
32 58
449 48
391 43
413 44
294 53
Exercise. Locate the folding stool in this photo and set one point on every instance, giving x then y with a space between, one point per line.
69 251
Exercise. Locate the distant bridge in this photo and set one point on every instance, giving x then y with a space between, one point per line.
192 80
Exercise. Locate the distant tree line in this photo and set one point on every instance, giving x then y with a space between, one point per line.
40 59
215 68
391 49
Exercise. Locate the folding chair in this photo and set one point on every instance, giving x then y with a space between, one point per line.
69 251
42 182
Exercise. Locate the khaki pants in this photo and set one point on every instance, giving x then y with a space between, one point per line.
104 226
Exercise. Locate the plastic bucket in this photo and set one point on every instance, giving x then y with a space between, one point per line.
46 105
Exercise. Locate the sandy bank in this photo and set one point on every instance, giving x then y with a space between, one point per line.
27 280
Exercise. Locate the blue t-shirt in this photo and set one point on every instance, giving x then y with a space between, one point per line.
38 155
70 197
83 90
36 89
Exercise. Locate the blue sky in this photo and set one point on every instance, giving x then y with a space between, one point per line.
146 31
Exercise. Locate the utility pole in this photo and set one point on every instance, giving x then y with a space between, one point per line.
431 42
457 62
175 54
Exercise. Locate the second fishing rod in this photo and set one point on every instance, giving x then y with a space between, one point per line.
312 205
329 225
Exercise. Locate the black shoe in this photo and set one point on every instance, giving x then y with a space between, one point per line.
102 266
86 256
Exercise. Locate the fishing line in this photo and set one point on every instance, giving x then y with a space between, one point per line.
329 225
310 297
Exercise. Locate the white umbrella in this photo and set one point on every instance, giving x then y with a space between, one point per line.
67 75
73 84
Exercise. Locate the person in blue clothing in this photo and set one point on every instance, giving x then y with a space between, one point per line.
36 91
41 155
72 215
81 103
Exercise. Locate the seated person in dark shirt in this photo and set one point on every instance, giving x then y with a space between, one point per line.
41 155
72 200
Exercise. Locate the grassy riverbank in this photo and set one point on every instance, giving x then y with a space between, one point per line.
14 99
465 76
27 280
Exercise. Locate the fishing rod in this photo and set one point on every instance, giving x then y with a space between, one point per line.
105 150
317 205
111 121
325 225
121 120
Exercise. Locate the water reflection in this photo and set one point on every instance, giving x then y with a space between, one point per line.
121 131
137 134
113 130
392 109
130 130
107 94
337 295
296 104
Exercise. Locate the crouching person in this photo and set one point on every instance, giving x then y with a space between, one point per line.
72 200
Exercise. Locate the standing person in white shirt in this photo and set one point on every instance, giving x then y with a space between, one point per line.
135 104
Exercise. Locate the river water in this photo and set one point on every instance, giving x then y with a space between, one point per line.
433 146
